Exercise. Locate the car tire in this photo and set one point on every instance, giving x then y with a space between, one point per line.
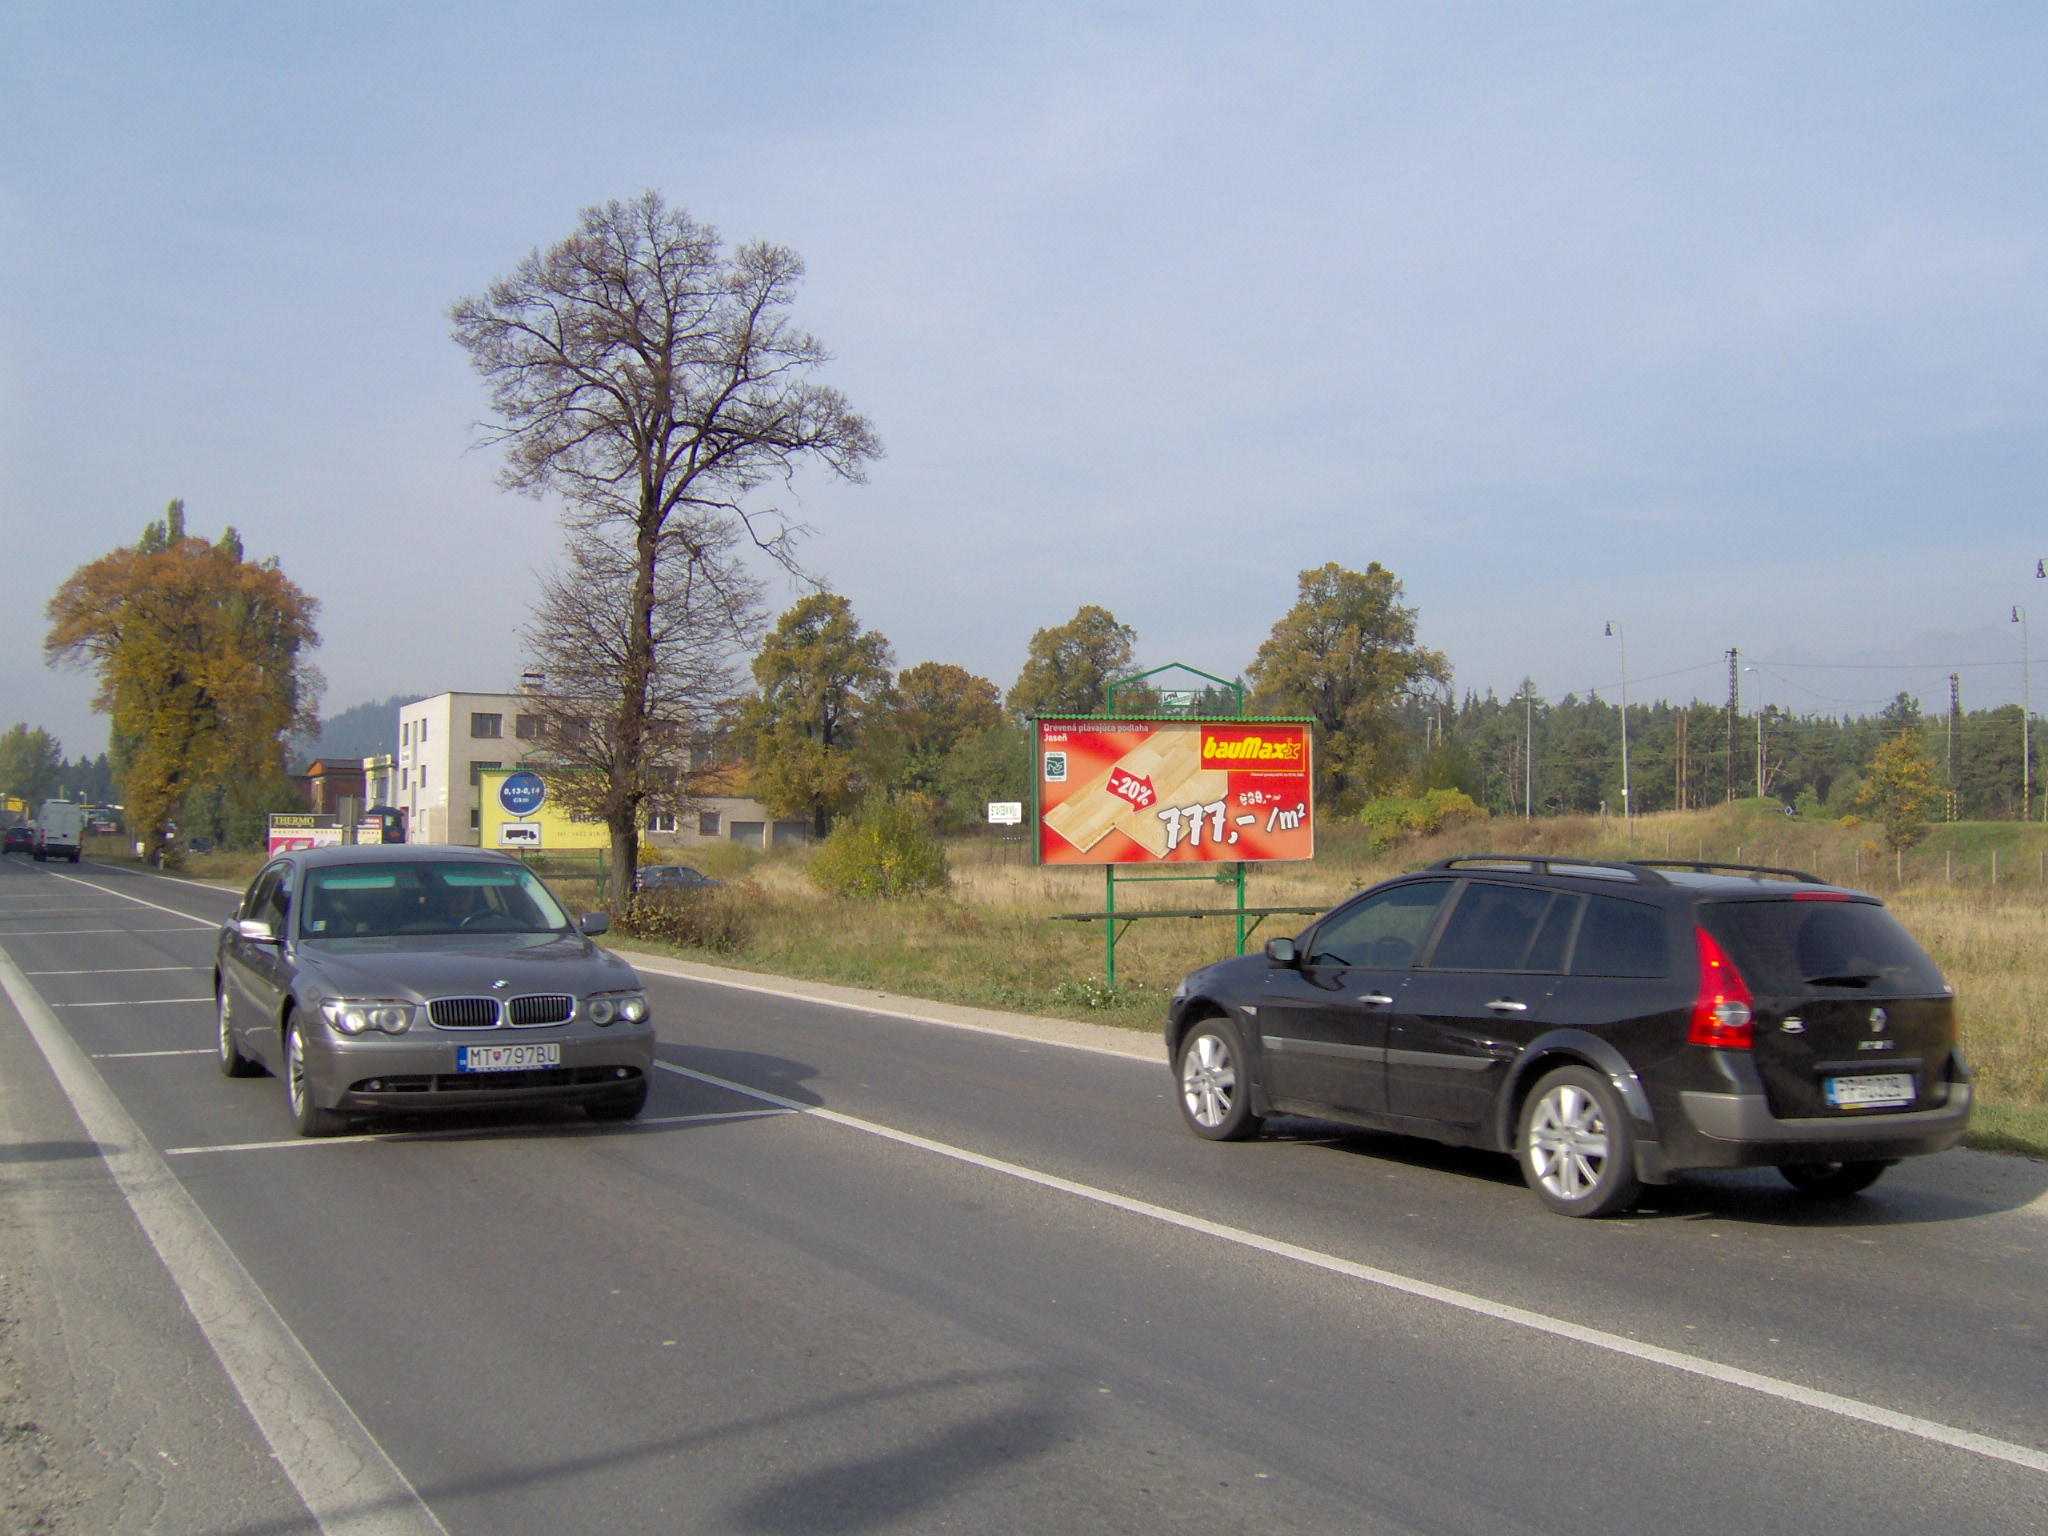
308 1118
1833 1181
626 1106
230 1058
1577 1146
1214 1083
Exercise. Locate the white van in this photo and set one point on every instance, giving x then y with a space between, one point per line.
59 824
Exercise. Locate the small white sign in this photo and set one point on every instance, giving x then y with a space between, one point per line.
1006 813
519 834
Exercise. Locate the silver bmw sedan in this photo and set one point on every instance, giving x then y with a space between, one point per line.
381 979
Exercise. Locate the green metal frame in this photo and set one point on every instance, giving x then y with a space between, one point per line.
1109 917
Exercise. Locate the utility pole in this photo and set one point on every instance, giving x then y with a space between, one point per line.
1955 709
1529 753
1627 805
1761 778
2019 617
1682 788
1734 707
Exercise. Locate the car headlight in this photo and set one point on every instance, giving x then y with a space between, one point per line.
353 1015
605 1007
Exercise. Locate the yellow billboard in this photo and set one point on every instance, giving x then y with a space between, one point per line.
520 810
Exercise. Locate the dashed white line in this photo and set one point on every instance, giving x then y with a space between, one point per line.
135 1002
139 1055
122 970
1768 1386
204 922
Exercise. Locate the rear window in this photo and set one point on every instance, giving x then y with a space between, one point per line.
1827 947
1622 938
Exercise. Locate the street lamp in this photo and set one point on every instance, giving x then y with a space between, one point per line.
1627 806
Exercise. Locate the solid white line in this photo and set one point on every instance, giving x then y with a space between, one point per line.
347 1482
128 970
135 1002
1728 1375
452 1135
204 922
897 1013
139 1055
54 933
151 874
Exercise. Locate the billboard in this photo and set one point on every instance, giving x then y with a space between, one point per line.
290 833
518 811
1174 791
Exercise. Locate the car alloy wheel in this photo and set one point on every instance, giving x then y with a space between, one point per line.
1576 1145
232 1062
308 1118
1215 1088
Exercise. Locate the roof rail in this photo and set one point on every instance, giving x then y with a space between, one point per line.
1708 867
1546 864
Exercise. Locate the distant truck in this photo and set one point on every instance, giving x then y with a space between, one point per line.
59 824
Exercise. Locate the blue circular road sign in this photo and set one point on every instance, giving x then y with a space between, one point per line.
522 793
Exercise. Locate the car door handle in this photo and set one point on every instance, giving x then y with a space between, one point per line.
1507 1005
1374 999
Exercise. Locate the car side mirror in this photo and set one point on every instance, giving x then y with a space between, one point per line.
591 924
256 930
1282 952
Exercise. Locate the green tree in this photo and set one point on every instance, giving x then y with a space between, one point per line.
200 655
820 677
1068 669
31 764
1900 789
1345 656
933 706
994 764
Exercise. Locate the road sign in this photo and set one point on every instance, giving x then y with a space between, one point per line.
522 793
519 834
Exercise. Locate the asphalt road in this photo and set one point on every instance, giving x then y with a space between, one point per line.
858 1273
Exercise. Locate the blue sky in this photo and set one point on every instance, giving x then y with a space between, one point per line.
1727 323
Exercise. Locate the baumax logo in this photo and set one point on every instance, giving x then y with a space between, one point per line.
1249 748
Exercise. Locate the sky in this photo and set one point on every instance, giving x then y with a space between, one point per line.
1722 324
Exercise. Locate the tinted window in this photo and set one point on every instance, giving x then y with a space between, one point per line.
1798 947
1622 938
1382 931
1554 934
261 891
1491 928
348 901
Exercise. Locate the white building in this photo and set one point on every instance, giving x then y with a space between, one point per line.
443 743
446 741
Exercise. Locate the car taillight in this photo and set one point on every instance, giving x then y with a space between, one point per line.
1720 1011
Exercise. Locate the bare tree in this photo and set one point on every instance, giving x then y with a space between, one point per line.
656 383
705 615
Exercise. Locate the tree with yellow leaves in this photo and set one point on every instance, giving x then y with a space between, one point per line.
200 658
1900 788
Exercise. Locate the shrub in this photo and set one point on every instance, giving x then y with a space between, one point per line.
689 919
1391 816
886 848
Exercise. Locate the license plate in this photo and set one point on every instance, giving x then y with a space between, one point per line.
506 1058
1889 1090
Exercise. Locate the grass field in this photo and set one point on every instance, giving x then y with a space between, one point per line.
1975 894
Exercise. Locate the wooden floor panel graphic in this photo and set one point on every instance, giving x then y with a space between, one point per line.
1171 765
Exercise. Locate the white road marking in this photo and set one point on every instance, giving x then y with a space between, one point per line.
126 970
1733 1376
151 874
54 933
139 1055
135 1002
450 1135
204 922
350 1486
893 1013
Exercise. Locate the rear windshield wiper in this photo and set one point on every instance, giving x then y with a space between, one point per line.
1847 979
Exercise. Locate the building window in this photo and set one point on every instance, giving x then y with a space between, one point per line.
421 733
475 819
476 773
707 823
661 821
423 775
487 725
405 734
528 727
405 778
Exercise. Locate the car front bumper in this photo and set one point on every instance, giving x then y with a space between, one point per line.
417 1071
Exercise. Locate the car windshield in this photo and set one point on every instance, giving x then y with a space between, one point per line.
367 901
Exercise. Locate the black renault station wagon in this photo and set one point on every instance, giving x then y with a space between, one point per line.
1609 1024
